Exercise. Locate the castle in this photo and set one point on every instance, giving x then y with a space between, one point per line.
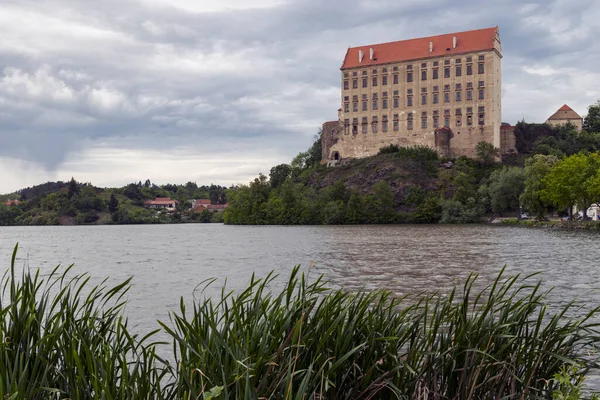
441 91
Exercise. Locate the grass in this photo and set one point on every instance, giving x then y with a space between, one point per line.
63 338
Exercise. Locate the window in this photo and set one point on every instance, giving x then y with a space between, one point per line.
469 69
457 61
436 121
409 91
374 96
384 104
384 80
458 114
435 63
374 72
374 125
396 122
423 74
346 107
395 93
436 88
396 102
364 106
469 120
458 96
481 94
346 98
446 121
423 99
481 118
409 77
354 126
395 69
469 110
374 105
436 98
446 72
409 67
424 120
446 88
469 85
364 96
365 82
409 122
384 70
481 84
481 58
458 70
365 125
424 90
480 68
423 65
346 85
446 97
458 86
435 73
446 62
469 59
354 83
374 81
395 80
469 95
355 73
409 102
384 123
364 73
345 74
355 107
346 126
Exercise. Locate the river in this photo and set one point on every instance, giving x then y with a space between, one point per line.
169 261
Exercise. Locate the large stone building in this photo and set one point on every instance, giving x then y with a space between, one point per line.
566 115
441 91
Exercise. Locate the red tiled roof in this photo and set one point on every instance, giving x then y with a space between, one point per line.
160 201
202 201
12 202
414 49
565 112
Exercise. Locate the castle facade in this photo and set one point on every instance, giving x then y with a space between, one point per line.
441 91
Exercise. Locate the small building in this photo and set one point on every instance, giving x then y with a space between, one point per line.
12 203
161 203
198 202
566 115
209 207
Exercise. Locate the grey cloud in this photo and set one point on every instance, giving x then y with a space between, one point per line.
161 77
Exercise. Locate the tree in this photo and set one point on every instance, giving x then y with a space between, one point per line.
279 174
133 192
113 203
591 122
570 182
536 169
505 188
315 152
486 152
73 188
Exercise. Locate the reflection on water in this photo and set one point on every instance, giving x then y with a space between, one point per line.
168 261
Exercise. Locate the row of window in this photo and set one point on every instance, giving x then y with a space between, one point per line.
435 99
458 71
424 65
458 120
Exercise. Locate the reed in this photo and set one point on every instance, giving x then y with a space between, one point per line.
62 337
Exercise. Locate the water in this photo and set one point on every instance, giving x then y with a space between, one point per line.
169 261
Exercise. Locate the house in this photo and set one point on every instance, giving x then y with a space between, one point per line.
198 202
566 115
210 207
403 93
161 203
12 203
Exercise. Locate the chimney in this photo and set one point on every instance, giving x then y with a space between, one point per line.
360 56
431 47
371 53
453 42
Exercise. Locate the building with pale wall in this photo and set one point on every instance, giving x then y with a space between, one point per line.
566 115
442 91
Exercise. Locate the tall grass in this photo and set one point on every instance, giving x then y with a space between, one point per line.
64 338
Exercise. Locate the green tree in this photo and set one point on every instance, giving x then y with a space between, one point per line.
279 174
113 203
591 122
73 188
505 188
486 152
315 151
536 169
570 182
133 192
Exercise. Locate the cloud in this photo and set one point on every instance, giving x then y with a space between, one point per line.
245 80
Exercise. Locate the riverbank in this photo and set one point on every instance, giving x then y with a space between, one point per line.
551 224
322 342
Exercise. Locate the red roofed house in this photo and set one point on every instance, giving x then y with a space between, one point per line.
566 115
12 202
199 202
161 203
199 207
402 92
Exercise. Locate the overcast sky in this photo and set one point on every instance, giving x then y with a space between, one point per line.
216 91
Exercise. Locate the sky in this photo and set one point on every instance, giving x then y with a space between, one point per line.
118 91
